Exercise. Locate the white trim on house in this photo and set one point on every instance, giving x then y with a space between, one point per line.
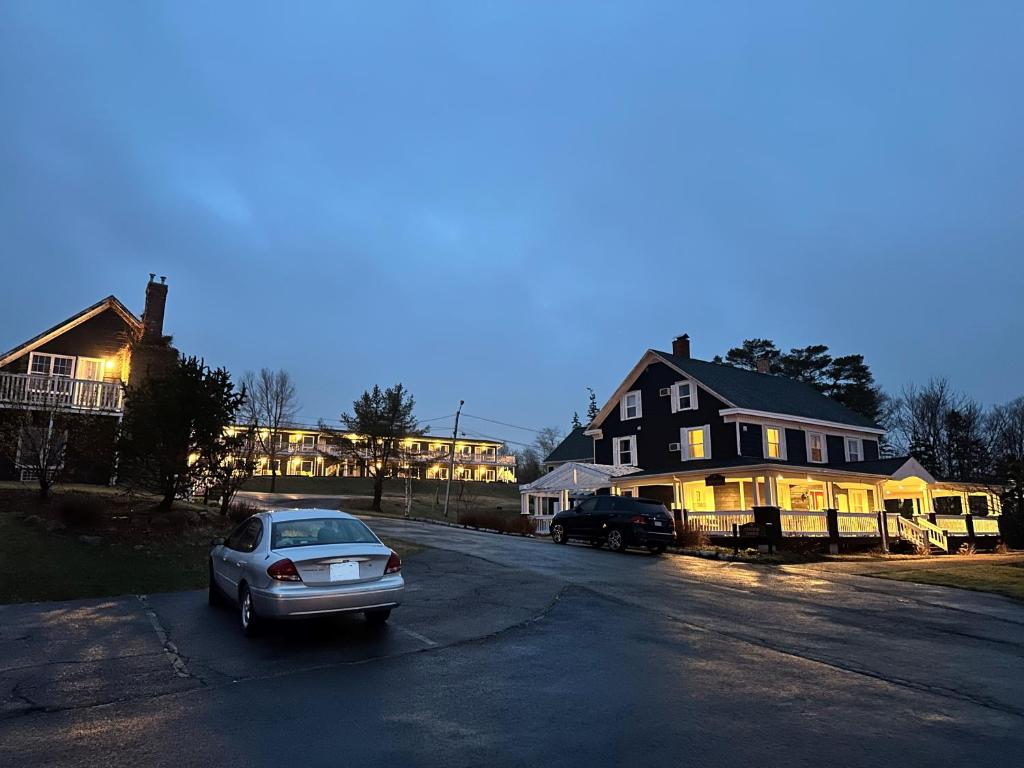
33 356
691 395
759 417
624 406
822 445
685 445
781 443
617 451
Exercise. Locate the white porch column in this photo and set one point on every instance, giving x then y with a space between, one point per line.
524 503
677 494
757 491
830 495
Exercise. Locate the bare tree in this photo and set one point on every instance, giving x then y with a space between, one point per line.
379 421
228 462
34 438
547 440
270 405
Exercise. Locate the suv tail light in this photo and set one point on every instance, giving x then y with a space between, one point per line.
284 570
394 564
638 519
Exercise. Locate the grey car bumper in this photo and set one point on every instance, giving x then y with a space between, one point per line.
297 600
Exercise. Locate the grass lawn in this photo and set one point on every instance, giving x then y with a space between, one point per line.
1001 578
132 558
427 495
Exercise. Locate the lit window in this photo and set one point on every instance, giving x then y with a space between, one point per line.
306 467
684 396
816 447
624 451
854 449
694 443
489 475
308 441
858 500
773 443
630 406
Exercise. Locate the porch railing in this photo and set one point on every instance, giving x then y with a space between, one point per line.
986 526
43 392
543 524
864 524
955 525
936 536
804 523
717 523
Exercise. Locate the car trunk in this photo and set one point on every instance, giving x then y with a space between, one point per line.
338 563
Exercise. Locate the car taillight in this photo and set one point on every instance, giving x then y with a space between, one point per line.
394 564
284 570
638 519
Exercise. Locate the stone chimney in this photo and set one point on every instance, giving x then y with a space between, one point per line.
764 365
153 315
681 346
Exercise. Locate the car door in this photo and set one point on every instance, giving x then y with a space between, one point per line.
602 512
577 521
233 560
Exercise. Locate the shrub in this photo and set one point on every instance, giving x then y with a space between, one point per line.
922 549
80 511
240 510
507 523
967 549
689 537
1001 548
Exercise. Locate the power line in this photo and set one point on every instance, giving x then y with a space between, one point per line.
502 423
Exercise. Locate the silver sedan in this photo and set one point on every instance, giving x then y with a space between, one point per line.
301 563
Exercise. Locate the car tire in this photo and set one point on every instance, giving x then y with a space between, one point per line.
378 617
247 613
558 534
657 549
597 543
214 597
616 540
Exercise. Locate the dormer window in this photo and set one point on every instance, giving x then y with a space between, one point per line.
854 449
817 451
630 406
51 365
774 443
684 396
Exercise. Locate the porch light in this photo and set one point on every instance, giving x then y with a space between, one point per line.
109 364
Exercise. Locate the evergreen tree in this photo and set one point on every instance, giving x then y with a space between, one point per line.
592 409
576 420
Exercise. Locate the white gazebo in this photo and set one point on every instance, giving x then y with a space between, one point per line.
549 494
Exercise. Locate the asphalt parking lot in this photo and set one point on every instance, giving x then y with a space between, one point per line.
518 652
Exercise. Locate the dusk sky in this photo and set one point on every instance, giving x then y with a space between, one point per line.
505 203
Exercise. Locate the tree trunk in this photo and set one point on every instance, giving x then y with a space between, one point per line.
44 487
273 476
168 499
378 491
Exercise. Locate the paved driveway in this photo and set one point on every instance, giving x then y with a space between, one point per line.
520 652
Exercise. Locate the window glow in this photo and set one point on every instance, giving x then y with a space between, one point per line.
774 438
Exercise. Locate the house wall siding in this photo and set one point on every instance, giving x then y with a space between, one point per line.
659 426
751 440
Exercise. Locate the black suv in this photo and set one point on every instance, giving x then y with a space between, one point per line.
619 521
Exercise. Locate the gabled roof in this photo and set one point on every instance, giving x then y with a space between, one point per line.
575 447
573 476
749 390
110 302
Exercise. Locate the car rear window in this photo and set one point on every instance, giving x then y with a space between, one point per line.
319 530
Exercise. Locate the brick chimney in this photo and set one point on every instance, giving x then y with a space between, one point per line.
153 315
681 346
764 365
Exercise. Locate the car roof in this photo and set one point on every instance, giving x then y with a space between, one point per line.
281 515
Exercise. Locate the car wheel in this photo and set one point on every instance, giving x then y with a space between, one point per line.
656 549
616 541
214 596
558 534
247 613
597 543
377 618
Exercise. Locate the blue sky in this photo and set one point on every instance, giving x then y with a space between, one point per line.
506 202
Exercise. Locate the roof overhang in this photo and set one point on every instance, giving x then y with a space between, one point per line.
739 414
110 302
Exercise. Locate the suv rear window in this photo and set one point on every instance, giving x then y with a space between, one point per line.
319 530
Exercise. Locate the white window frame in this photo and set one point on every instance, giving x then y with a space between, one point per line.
676 407
824 447
490 475
302 467
304 438
624 408
782 442
617 451
684 442
860 448
860 494
49 368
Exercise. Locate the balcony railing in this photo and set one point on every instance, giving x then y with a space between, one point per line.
23 390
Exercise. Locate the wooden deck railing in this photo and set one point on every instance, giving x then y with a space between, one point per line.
717 523
22 390
863 524
986 526
804 523
955 525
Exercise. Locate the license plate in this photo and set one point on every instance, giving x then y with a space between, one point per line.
344 571
658 523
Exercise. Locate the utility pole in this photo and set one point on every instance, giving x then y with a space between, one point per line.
451 460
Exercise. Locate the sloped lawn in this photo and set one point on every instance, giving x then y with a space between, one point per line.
1000 578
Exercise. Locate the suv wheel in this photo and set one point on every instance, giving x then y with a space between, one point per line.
558 534
616 540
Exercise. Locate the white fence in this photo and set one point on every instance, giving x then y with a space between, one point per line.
863 524
717 523
812 524
26 390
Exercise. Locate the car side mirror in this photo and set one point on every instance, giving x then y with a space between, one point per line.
217 541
